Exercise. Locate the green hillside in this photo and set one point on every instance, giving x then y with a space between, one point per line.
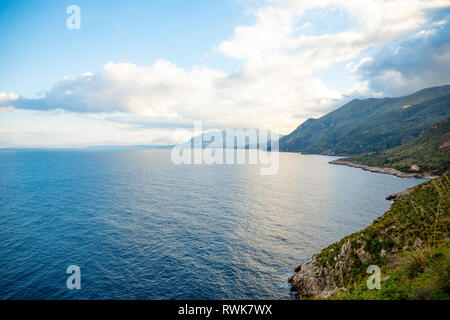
370 125
430 152
416 269
410 244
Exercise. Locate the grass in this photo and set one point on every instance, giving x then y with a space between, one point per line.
419 273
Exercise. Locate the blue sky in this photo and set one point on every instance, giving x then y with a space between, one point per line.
137 71
40 49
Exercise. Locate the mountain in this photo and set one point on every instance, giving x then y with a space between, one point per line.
427 154
370 125
409 244
238 138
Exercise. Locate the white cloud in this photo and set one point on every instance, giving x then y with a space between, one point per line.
6 100
164 95
360 66
414 62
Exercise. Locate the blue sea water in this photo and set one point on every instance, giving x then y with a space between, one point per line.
140 227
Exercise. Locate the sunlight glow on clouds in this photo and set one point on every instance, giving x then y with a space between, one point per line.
419 60
394 47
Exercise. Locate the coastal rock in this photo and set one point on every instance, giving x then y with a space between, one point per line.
319 280
399 195
312 280
390 171
309 280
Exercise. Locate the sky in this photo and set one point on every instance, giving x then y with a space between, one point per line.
141 72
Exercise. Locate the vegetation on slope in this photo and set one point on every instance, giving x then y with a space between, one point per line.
370 125
421 273
428 153
410 243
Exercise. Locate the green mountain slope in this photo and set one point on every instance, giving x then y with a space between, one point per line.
428 153
409 243
370 125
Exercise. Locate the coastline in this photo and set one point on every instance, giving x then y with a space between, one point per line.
390 171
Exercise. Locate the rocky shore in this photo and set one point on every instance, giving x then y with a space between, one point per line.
390 171
310 280
399 195
318 280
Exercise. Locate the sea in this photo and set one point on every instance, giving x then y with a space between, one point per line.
139 226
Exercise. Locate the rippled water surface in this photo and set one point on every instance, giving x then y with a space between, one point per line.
141 227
